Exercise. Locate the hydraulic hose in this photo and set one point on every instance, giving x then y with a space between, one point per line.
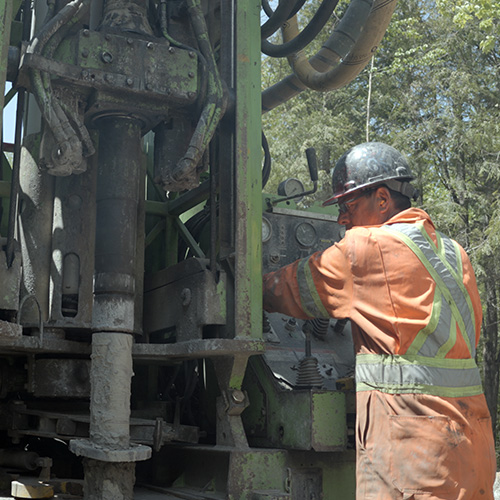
306 36
65 112
352 43
269 11
267 8
266 167
279 16
211 114
68 152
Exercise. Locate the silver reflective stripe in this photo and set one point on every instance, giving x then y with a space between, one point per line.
395 374
444 265
309 297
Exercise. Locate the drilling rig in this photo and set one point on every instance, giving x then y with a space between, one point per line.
135 358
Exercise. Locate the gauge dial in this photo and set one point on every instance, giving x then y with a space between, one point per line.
290 187
267 230
305 234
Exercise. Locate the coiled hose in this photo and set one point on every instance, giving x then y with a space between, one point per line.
341 58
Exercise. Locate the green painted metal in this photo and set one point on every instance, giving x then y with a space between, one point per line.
274 474
248 210
340 481
254 471
328 420
300 419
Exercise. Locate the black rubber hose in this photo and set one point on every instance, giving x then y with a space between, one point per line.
269 12
279 16
267 8
266 168
348 49
306 36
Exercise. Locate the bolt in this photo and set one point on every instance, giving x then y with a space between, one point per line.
150 45
238 396
191 74
130 81
149 86
186 297
86 33
107 57
171 50
192 54
130 41
191 95
274 258
74 202
85 53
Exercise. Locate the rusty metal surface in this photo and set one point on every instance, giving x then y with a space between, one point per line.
196 349
67 378
10 277
11 331
28 344
70 425
73 235
117 208
127 15
128 64
193 296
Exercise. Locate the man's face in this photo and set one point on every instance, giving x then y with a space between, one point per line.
359 210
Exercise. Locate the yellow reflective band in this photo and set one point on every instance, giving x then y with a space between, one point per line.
448 345
406 359
403 374
437 278
458 277
431 326
432 390
309 297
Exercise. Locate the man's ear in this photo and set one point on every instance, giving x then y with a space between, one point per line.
383 198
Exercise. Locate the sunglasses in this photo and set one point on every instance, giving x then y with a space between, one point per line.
344 205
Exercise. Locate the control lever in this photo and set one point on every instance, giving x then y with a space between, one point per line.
313 174
308 374
312 164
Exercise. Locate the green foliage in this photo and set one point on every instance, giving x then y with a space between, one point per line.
483 13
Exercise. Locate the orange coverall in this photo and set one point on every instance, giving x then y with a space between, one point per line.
423 427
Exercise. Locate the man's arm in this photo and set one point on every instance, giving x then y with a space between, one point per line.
319 286
281 292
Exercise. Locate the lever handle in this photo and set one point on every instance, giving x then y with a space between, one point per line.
312 164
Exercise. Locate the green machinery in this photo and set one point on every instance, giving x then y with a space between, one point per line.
135 358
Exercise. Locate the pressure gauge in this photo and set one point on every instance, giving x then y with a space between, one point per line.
291 187
267 230
305 234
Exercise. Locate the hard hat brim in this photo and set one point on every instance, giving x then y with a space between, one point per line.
331 201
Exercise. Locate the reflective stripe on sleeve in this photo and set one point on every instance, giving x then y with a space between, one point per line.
309 297
403 374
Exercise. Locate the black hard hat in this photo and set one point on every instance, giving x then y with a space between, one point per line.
367 165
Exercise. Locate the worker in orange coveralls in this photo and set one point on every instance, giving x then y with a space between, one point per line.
423 428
